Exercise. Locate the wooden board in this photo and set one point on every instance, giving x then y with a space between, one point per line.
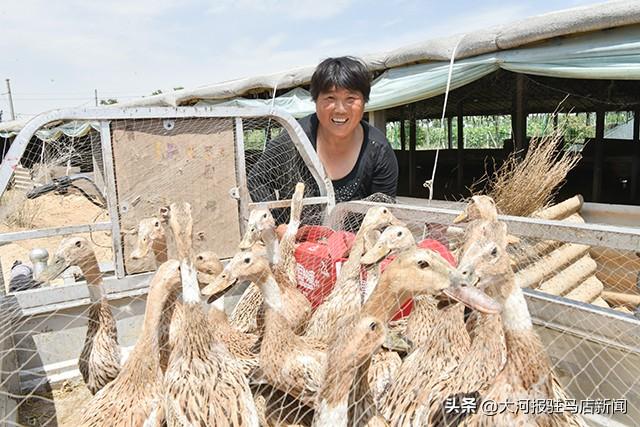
192 162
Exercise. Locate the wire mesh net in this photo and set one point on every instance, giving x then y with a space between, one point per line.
330 320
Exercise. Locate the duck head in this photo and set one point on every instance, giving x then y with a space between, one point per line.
149 230
479 207
243 266
71 251
260 220
484 261
394 238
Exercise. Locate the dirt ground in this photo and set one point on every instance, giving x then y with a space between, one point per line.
60 408
19 214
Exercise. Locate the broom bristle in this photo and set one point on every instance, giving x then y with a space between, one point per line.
522 186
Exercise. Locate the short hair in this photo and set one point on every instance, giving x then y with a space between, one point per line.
344 72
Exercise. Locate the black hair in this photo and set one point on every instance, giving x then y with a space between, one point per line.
345 72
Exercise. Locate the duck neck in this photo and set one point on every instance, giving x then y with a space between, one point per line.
159 248
93 275
270 291
148 345
190 286
385 301
515 314
272 245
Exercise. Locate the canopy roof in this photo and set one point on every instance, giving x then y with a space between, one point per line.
565 44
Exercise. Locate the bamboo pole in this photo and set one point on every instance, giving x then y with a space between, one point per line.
567 279
587 291
547 265
600 302
615 298
524 255
561 210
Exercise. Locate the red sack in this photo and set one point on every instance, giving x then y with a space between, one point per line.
319 259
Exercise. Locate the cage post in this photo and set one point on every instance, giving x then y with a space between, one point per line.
241 175
112 197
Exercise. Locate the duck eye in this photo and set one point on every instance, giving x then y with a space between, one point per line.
156 224
373 326
264 216
247 260
200 258
385 211
78 244
399 233
423 264
494 252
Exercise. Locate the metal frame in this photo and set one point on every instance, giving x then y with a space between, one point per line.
579 319
106 115
616 237
112 196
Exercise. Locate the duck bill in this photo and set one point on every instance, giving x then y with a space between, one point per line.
461 218
54 269
218 287
375 254
250 237
473 298
140 251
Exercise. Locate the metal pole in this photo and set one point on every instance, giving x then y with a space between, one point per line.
95 95
13 116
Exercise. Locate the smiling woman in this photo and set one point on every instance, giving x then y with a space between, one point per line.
356 156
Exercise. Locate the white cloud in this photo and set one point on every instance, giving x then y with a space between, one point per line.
295 9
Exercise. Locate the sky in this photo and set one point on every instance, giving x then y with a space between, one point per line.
56 53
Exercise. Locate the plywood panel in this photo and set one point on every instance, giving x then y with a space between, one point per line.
194 162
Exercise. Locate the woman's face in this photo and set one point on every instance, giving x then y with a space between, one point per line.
339 111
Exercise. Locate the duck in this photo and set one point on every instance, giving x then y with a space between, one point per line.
351 349
441 345
261 228
134 398
486 355
527 372
416 272
100 358
479 207
345 298
289 362
203 383
150 235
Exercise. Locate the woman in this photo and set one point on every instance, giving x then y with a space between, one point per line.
356 156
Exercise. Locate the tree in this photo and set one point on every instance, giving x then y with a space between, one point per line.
109 101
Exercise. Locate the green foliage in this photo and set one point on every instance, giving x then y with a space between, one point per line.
491 131
156 92
109 101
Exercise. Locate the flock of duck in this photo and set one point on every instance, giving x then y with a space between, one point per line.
194 366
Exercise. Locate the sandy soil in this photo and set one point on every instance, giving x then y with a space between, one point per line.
60 408
51 210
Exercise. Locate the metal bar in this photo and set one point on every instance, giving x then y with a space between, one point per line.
111 113
625 238
311 159
50 232
403 135
605 326
112 196
286 203
241 176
